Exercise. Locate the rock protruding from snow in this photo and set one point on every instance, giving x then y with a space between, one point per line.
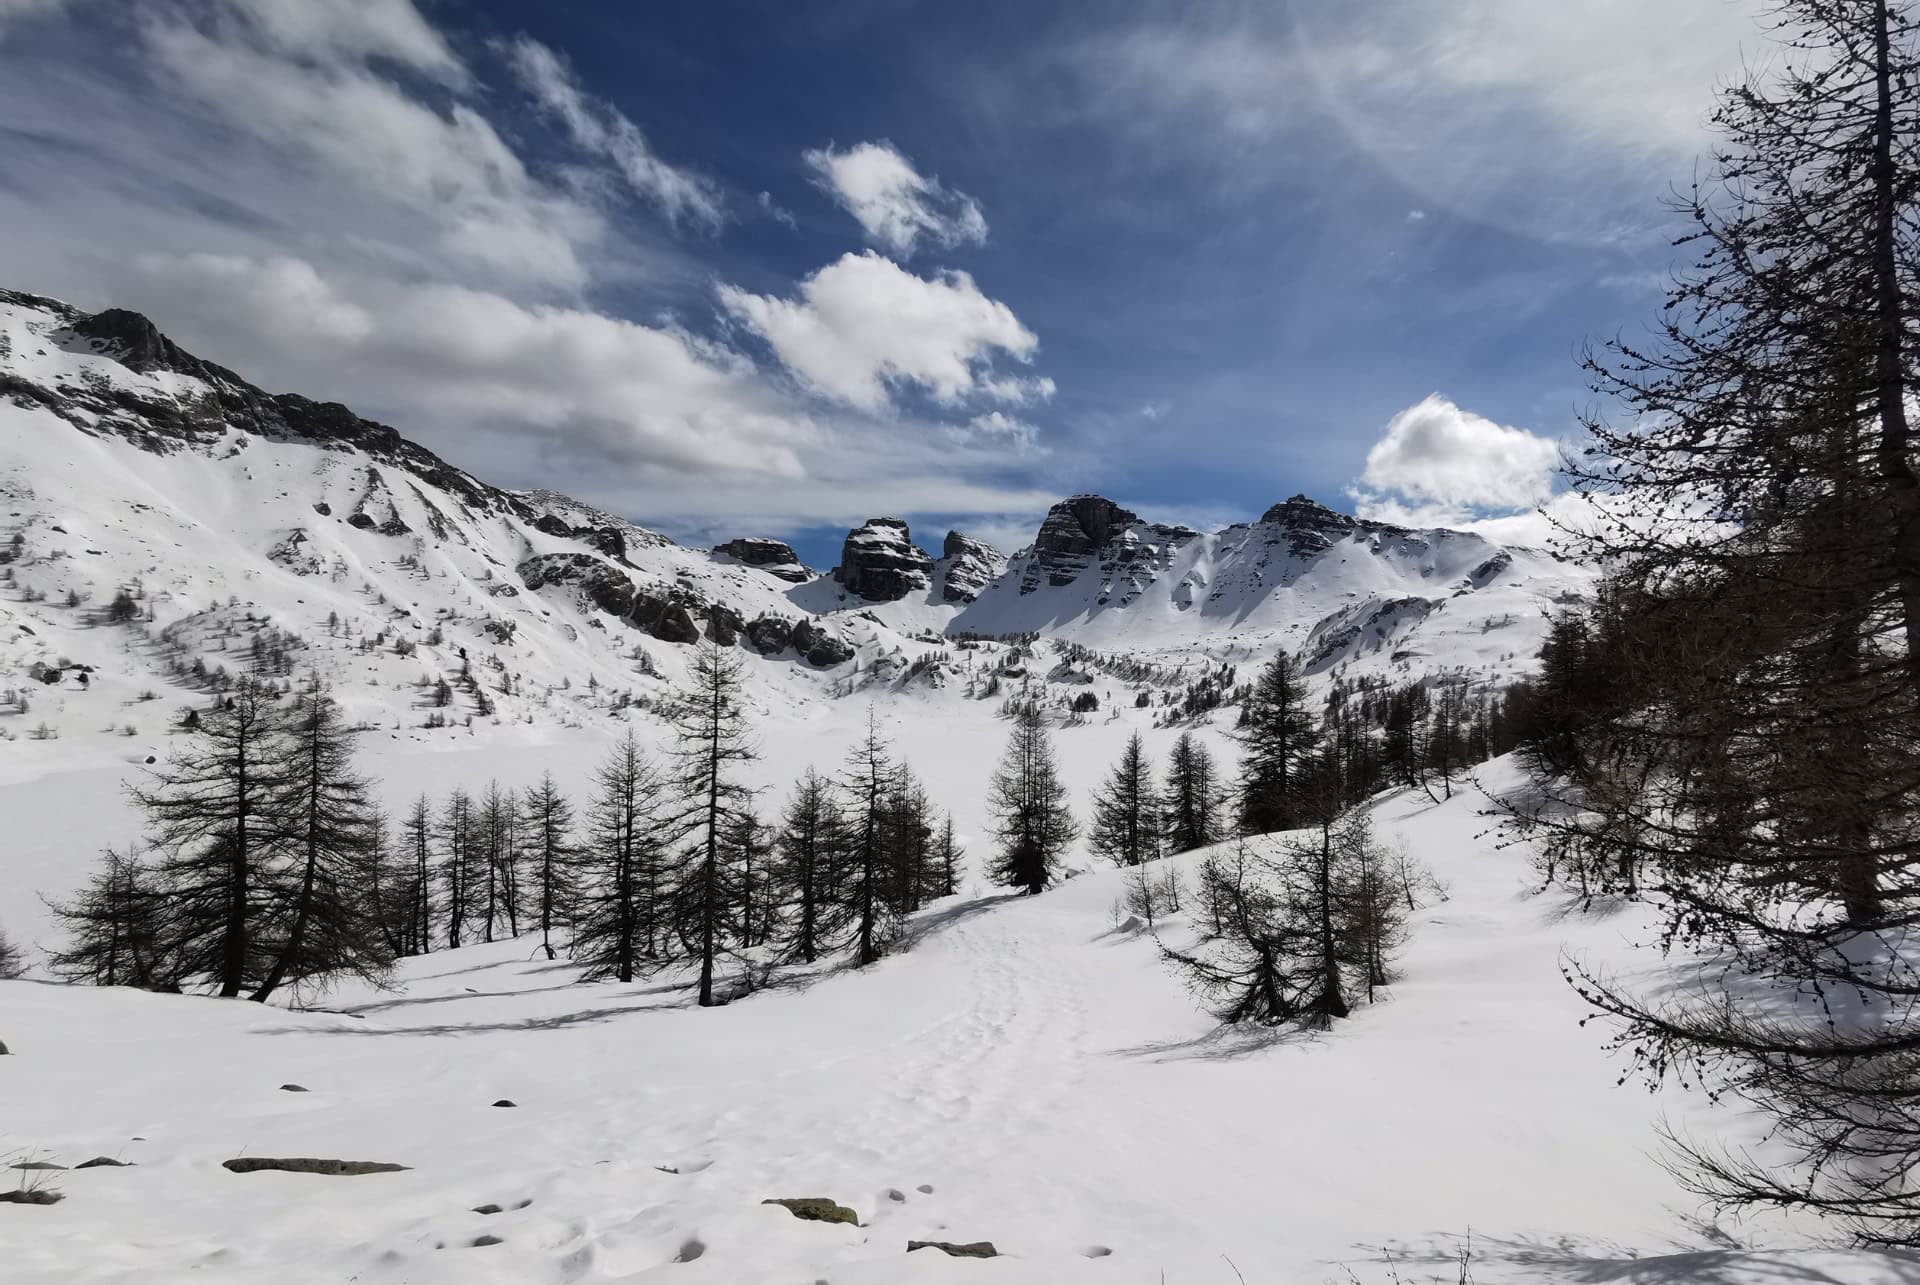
774 557
968 566
310 1164
881 563
1085 530
815 1209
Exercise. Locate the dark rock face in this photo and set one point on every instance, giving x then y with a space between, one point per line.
306 1164
816 1209
725 625
968 566
1091 530
770 634
771 556
821 646
1311 527
668 616
971 1249
880 562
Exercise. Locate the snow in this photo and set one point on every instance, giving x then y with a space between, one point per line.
1039 1069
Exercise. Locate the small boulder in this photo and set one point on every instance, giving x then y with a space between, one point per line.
104 1162
486 1209
506 1102
481 1242
972 1249
35 1165
30 1196
4 1050
293 1088
307 1164
816 1209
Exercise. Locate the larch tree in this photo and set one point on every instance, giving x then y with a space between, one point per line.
546 818
711 740
1278 736
811 870
1126 814
319 918
417 838
872 916
213 818
1028 801
1192 796
112 930
459 846
1759 516
622 915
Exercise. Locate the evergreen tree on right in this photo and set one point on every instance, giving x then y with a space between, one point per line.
1028 802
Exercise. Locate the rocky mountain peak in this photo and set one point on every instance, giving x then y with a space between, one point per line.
1303 511
881 563
969 566
1084 529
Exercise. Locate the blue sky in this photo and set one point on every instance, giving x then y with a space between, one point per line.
771 268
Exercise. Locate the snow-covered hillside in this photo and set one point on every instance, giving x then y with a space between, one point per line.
1028 1073
227 514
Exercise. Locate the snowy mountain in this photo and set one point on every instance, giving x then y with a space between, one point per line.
130 466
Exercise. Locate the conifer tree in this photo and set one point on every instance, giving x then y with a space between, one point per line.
811 871
1278 733
623 868
710 741
948 854
1758 780
459 843
1126 812
1192 798
1029 806
866 783
547 820
319 918
112 930
417 840
213 815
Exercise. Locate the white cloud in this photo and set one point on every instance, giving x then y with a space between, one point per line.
323 198
1435 453
601 129
449 168
12 11
348 31
1558 120
775 211
894 202
863 322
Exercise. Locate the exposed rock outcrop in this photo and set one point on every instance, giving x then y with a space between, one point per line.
881 563
1091 530
968 566
771 556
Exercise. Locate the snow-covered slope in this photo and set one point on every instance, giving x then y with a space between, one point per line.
1028 1074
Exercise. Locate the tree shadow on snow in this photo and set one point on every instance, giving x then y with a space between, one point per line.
554 1022
1565 1261
930 922
1221 1044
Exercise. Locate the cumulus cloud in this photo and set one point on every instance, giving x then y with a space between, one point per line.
895 203
324 198
1436 453
603 130
863 323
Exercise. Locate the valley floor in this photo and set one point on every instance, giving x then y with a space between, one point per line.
1027 1073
